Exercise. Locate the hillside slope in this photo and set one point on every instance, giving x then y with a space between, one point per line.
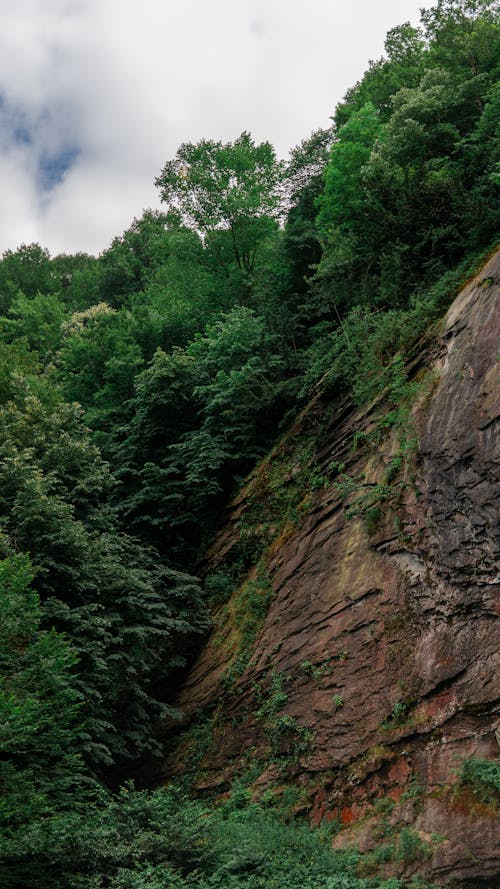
358 660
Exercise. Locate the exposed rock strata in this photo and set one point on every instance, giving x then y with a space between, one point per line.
385 641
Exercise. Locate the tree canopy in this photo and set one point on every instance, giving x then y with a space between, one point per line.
225 188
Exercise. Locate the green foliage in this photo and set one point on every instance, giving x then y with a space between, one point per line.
16 359
201 416
97 362
404 198
76 279
121 840
38 319
39 706
218 587
343 197
160 276
282 495
400 715
257 850
276 698
131 262
464 35
42 776
120 607
27 270
399 711
357 356
402 66
31 272
301 244
405 848
199 737
250 606
482 776
228 193
364 498
317 670
288 739
411 847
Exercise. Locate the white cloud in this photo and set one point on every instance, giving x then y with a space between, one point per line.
125 83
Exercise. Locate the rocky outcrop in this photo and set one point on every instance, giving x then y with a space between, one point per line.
374 673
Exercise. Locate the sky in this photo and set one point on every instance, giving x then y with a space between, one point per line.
96 95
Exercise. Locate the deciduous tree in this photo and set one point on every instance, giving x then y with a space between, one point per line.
230 188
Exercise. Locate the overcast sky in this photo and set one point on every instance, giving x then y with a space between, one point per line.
95 96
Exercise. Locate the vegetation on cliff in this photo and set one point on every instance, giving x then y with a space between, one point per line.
138 388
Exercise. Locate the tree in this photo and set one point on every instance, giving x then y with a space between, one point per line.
76 278
97 362
229 193
343 198
403 66
345 220
37 318
60 828
127 265
304 175
130 619
464 35
202 415
26 269
42 774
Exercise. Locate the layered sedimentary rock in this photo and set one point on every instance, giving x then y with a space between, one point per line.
380 639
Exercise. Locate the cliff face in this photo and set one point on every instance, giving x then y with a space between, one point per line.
373 673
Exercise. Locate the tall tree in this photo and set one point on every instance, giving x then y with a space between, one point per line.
464 35
230 194
202 415
42 774
128 265
304 177
402 66
123 610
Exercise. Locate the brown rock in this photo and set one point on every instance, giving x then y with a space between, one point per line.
387 644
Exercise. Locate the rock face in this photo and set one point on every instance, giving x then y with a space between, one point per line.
374 673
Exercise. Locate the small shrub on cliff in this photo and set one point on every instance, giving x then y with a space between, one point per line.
482 776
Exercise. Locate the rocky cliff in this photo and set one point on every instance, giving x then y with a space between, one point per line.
358 659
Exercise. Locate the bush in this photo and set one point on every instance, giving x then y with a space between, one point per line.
482 776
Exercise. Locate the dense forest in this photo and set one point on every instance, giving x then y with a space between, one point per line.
140 387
